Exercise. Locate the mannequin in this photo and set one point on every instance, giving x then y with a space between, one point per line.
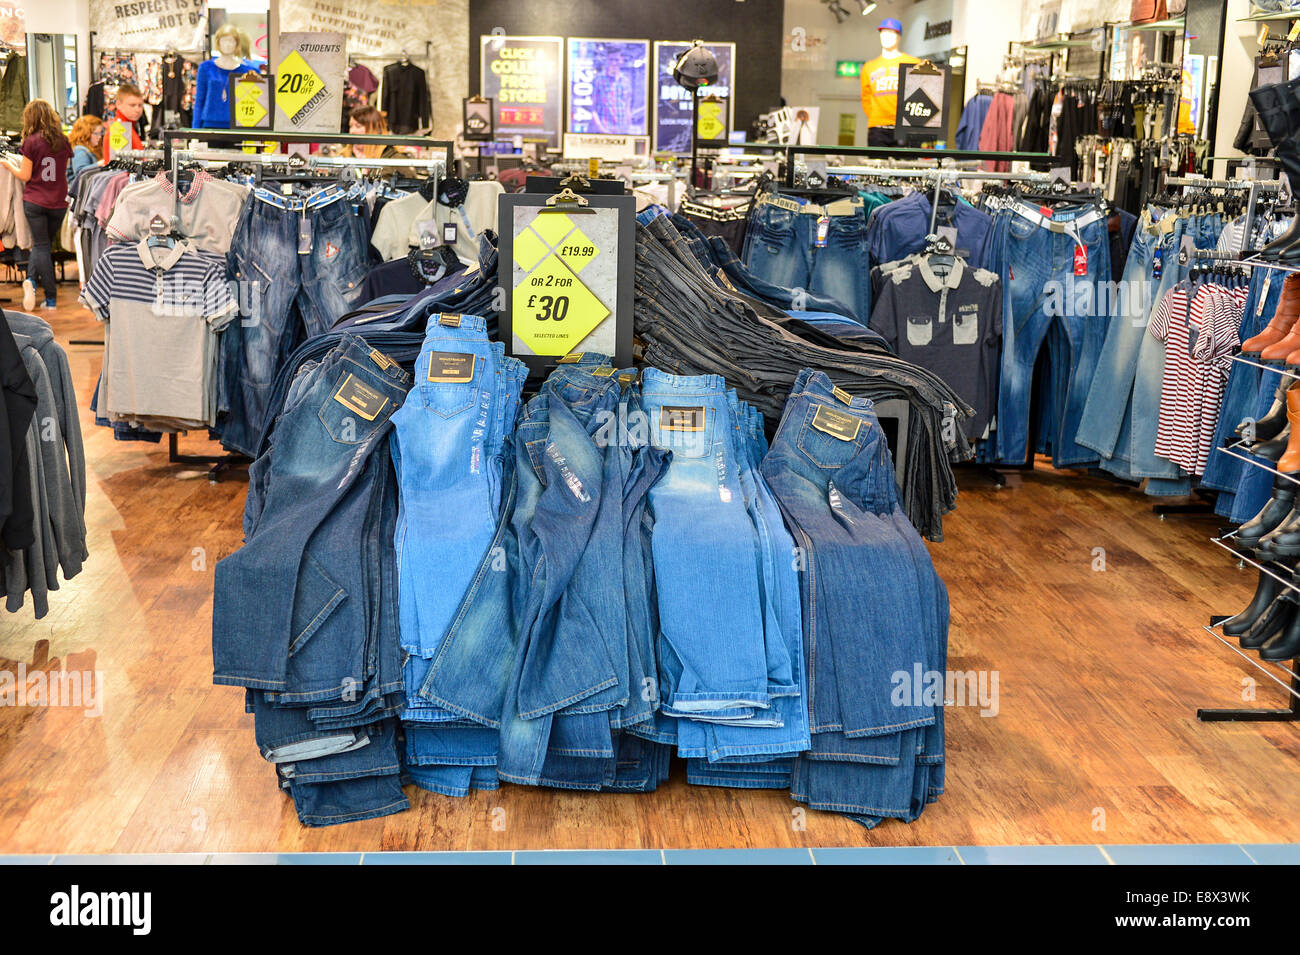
212 90
880 84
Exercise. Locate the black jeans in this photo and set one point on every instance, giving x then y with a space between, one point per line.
45 225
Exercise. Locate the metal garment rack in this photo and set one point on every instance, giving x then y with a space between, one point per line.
902 152
257 137
1255 187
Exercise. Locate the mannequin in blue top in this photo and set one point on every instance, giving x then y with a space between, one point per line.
212 90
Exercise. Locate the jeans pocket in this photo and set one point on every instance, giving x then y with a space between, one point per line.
352 408
315 598
449 381
830 438
920 331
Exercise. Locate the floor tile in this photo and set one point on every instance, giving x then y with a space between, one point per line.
594 857
437 858
1031 855
1179 855
888 855
1278 854
738 857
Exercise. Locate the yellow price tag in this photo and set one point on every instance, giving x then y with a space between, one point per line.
249 110
296 86
552 310
710 125
119 137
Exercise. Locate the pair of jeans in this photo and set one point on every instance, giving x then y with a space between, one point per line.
1050 273
300 262
798 250
44 224
305 614
875 612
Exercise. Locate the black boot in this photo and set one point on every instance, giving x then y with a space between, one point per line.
1274 448
1279 613
1269 426
1286 645
1283 542
1277 510
1265 591
1273 104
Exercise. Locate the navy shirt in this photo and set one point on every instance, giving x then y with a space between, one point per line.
899 230
950 324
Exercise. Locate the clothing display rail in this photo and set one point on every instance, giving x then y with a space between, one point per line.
904 152
171 136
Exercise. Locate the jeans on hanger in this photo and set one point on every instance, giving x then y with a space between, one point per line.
291 255
784 248
1046 300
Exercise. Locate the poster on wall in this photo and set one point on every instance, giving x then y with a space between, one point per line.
608 83
672 103
13 26
373 27
309 82
521 75
157 24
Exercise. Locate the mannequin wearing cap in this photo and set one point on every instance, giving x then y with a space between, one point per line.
880 84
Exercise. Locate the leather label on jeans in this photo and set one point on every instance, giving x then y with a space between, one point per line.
571 359
781 202
681 419
450 321
354 395
451 368
840 426
604 372
722 277
843 395
380 359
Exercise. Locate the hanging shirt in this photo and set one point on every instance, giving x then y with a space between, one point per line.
899 229
880 89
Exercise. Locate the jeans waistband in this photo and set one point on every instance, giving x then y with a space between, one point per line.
315 200
1073 224
654 381
840 207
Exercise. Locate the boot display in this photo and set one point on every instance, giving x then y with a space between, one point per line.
1271 425
1273 106
1289 462
1273 621
1275 512
1286 645
1265 593
1283 320
1273 449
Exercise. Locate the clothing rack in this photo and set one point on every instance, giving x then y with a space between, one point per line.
1255 186
259 136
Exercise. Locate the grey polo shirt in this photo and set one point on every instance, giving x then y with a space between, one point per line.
950 322
164 308
208 210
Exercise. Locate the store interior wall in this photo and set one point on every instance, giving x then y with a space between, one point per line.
753 25
65 16
814 42
1237 71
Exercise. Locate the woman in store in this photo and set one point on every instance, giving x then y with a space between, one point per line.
46 153
369 121
87 141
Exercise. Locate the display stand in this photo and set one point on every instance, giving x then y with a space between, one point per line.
242 137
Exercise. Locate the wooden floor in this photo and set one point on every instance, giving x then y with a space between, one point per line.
1095 741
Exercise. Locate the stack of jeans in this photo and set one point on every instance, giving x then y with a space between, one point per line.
448 445
875 612
731 673
567 673
305 614
690 326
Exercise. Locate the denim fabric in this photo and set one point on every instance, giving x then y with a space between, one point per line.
1037 260
781 249
289 262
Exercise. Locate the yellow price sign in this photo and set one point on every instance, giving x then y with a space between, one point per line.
249 110
709 122
296 84
119 137
553 311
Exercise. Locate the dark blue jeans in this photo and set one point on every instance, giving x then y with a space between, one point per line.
291 261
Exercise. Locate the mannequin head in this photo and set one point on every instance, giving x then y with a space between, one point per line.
230 41
891 35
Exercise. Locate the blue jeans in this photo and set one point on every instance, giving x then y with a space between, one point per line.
282 617
781 249
290 259
1039 285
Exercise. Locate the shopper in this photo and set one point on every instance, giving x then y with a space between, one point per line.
368 120
122 133
86 139
45 156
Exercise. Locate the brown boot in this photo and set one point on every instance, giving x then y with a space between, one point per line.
1284 319
1289 463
